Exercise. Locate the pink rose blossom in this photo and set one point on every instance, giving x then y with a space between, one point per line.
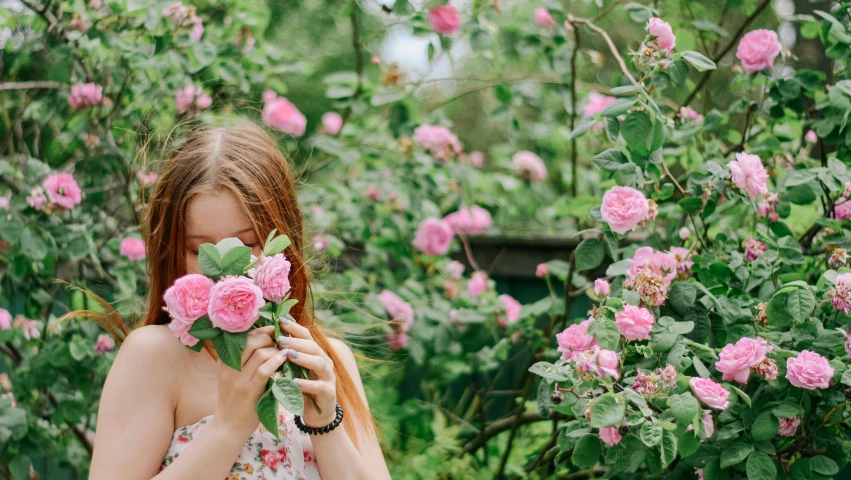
623 209
843 331
203 101
478 283
575 339
512 310
477 159
434 236
30 328
664 38
596 104
197 29
186 301
811 137
473 220
529 166
333 122
597 361
63 190
712 394
647 261
184 97
758 49
737 360
601 287
284 116
440 141
753 248
610 435
708 425
85 95
269 95
689 114
5 319
5 383
37 199
235 303
401 312
454 269
373 193
541 270
749 175
147 178
375 59
607 361
6 201
788 426
544 19
396 341
684 233
842 210
635 323
699 473
272 275
133 248
682 258
809 370
104 344
444 19
249 44
320 242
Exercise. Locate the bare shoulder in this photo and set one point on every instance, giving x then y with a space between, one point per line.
153 345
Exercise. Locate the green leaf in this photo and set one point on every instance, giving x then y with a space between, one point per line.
700 62
205 52
823 465
227 244
776 312
606 332
764 427
608 411
760 467
669 447
33 245
678 71
582 127
846 377
289 395
203 329
277 245
229 348
690 205
549 371
235 260
542 399
611 160
618 107
13 423
11 229
800 304
267 411
636 130
700 367
587 451
210 260
788 410
684 408
735 452
744 396
589 254
687 444
651 434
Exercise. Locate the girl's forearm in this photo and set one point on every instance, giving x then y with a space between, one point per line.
337 457
210 455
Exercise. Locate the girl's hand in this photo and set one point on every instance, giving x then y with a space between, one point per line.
321 383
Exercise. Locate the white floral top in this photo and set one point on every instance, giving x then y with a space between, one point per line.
263 457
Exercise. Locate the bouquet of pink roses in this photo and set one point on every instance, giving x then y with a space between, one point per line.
237 293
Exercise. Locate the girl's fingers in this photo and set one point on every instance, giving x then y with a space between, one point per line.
269 367
323 368
302 345
295 329
316 387
259 357
256 339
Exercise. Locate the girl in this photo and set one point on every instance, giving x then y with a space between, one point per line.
168 412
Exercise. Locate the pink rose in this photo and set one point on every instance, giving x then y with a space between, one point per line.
235 303
63 190
758 49
664 38
699 473
454 269
689 114
652 263
737 360
575 339
197 28
5 319
596 104
272 275
440 141
184 97
635 323
684 233
842 210
333 122
473 220
36 199
541 270
444 19
809 370
811 137
187 300
434 236
478 283
269 95
477 159
181 331
601 287
610 435
104 344
682 259
375 59
788 426
544 19
30 328
749 174
529 166
712 394
203 101
623 209
284 116
85 95
754 248
147 178
133 248
708 425
6 201
607 361
397 341
512 310
400 311
320 242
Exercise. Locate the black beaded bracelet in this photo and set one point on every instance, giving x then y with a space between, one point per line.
320 430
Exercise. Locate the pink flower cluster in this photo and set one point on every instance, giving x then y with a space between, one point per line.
767 207
753 248
623 209
439 140
185 97
542 270
333 122
544 18
85 95
62 190
147 178
663 35
434 236
575 340
401 316
477 284
529 166
749 175
737 360
635 323
473 220
444 19
133 248
272 275
512 310
104 344
184 16
788 426
5 319
648 384
809 370
598 361
686 113
840 294
281 114
711 393
650 273
842 210
758 49
610 436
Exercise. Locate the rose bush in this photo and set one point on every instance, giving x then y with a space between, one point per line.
701 171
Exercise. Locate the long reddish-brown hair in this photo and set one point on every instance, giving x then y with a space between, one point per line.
246 161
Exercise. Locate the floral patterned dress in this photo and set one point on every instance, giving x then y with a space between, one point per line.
263 457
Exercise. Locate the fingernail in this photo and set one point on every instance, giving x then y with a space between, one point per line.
284 352
284 340
284 321
297 382
293 354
